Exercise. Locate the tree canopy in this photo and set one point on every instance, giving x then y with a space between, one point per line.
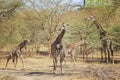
40 21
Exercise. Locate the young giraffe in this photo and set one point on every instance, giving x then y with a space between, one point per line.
15 53
107 46
57 49
7 13
71 49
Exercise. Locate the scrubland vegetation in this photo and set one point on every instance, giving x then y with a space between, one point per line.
39 22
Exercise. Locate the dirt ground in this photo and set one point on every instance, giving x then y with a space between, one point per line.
40 68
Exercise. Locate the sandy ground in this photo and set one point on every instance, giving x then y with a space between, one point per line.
40 68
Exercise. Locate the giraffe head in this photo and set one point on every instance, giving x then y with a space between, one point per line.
91 18
64 27
26 41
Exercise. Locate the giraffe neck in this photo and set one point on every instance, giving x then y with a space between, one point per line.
12 9
102 33
21 45
60 36
98 26
76 44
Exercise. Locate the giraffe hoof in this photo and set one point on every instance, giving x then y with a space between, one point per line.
55 72
62 73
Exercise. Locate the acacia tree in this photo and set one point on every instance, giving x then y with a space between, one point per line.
46 18
8 11
8 8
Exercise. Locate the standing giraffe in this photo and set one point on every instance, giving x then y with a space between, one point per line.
57 49
15 53
8 13
71 49
107 46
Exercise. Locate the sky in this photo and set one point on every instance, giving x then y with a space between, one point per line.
80 2
73 2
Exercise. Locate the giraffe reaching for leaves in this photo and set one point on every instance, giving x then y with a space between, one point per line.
107 46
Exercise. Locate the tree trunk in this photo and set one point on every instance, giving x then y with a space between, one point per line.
49 46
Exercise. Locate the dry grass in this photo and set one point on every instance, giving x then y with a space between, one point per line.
40 68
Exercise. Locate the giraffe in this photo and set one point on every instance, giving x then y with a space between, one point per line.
71 49
107 46
15 53
57 49
7 14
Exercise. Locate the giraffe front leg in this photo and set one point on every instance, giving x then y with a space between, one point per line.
102 51
22 60
54 66
16 60
65 61
73 61
83 57
83 54
54 62
112 56
62 57
108 53
61 68
106 59
53 51
86 56
74 57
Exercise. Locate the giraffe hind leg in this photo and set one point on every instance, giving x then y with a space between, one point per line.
112 54
8 58
16 60
7 62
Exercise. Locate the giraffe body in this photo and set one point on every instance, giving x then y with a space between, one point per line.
107 46
15 53
71 49
57 49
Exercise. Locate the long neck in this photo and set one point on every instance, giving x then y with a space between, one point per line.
98 26
21 45
102 32
81 42
12 9
60 36
76 44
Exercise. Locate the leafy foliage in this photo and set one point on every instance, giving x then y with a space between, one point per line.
41 24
